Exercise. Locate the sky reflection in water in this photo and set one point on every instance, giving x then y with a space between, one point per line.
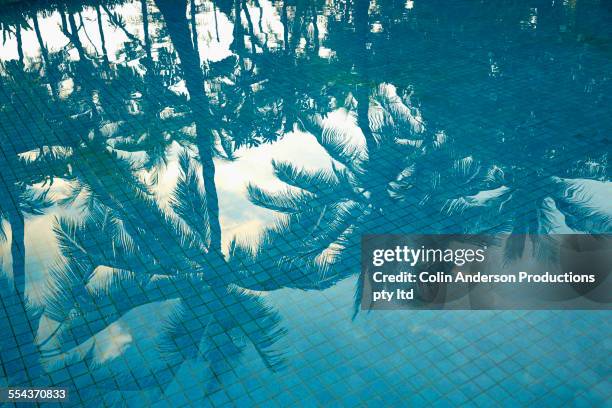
184 186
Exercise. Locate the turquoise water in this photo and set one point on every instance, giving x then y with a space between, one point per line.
184 186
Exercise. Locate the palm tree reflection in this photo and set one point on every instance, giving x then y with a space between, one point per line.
137 274
119 275
388 173
113 269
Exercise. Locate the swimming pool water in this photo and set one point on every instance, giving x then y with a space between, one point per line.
183 186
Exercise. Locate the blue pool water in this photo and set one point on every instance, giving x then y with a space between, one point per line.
184 184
